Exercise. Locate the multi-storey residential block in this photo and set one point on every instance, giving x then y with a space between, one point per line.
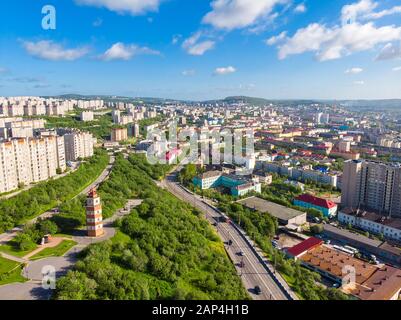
28 160
372 185
119 134
78 145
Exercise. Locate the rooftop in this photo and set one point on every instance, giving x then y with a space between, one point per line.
374 217
320 202
276 210
304 246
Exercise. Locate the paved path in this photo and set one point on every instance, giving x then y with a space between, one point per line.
32 290
9 235
255 271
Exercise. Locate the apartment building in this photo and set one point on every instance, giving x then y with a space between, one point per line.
372 185
28 160
78 145
119 134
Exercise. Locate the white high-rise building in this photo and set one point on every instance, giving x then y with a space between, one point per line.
28 160
78 145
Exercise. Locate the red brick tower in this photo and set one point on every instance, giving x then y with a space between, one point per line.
94 218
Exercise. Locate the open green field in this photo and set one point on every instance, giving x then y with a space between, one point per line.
57 251
10 272
11 249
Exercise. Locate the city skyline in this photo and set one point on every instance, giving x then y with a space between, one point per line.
195 50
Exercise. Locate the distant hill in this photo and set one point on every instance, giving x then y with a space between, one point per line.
390 104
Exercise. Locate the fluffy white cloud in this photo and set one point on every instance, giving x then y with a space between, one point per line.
359 83
50 50
397 69
224 70
351 12
234 14
133 7
390 52
301 8
121 51
197 47
338 41
354 71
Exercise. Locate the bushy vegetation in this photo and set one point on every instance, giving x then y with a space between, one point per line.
100 128
164 250
49 194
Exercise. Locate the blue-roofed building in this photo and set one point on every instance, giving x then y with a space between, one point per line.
238 185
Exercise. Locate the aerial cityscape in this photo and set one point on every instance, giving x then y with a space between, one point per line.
200 150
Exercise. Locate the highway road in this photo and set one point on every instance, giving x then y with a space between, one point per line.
253 273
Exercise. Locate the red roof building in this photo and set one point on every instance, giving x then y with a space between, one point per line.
303 247
320 202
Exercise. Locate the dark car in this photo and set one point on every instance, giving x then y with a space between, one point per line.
257 290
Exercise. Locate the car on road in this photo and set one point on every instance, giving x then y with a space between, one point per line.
229 242
257 290
241 254
241 264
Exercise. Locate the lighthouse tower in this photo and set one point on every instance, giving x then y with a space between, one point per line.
94 218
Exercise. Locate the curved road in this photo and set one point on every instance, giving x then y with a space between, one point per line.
32 290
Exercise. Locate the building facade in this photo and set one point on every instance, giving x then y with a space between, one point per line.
326 207
372 185
28 160
78 145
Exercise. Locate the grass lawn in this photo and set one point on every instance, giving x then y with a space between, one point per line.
12 250
10 272
57 251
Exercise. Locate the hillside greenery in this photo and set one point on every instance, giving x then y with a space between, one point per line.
49 194
163 250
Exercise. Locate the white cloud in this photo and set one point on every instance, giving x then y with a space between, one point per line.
354 71
195 47
224 70
301 8
121 51
50 50
133 7
235 14
338 41
359 83
188 73
396 69
390 52
383 13
276 39
350 13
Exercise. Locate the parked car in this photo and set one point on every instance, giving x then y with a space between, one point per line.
257 290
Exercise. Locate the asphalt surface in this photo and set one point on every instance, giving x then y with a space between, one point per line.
248 265
33 290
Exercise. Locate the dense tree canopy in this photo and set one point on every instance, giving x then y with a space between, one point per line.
168 251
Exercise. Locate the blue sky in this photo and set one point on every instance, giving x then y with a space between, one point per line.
203 49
